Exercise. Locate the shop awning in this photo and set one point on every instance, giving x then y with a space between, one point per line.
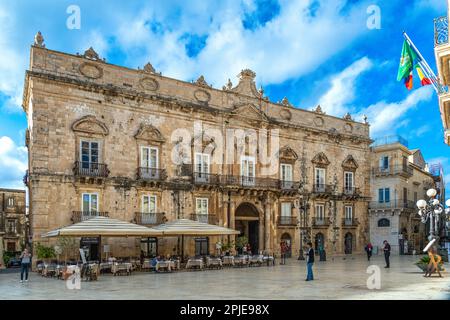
186 227
103 226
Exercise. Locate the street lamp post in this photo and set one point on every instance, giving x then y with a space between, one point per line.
433 211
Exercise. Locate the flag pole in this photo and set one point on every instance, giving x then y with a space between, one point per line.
429 72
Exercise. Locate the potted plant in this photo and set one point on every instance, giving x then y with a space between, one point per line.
45 253
240 243
425 260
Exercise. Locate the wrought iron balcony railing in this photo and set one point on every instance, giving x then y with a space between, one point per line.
322 188
206 178
320 222
152 174
289 185
393 170
205 218
350 222
90 169
287 221
150 218
351 191
393 204
78 216
440 31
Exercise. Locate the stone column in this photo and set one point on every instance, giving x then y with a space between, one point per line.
267 224
2 263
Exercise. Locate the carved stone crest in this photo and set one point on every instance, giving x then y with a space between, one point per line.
285 114
202 95
318 121
90 70
148 132
287 153
149 84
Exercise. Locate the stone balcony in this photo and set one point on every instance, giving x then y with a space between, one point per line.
150 218
320 222
205 218
90 169
78 216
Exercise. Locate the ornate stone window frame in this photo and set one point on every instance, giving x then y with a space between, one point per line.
89 128
148 136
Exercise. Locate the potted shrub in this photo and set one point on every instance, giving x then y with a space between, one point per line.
240 243
45 253
423 263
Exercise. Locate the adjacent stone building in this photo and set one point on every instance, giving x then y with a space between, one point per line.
12 220
399 178
138 146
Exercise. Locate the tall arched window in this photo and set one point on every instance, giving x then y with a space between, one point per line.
384 222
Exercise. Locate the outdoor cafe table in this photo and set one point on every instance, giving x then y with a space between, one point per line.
256 259
194 263
118 267
241 260
167 265
228 260
106 266
213 262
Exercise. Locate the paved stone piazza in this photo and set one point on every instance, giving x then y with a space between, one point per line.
338 279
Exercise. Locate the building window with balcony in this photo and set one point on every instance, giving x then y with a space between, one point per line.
384 163
11 226
348 220
248 170
10 202
286 175
148 209
149 163
202 162
286 213
320 213
89 155
201 209
349 182
384 195
319 180
89 205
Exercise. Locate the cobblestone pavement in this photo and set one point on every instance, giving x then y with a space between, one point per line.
336 278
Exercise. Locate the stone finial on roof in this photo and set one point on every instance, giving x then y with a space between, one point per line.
39 40
365 119
92 55
285 102
319 109
348 116
201 82
228 86
247 73
149 68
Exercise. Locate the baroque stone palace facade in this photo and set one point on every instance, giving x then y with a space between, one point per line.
141 147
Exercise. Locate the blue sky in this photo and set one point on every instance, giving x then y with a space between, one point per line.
313 52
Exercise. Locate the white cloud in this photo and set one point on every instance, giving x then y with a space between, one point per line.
290 45
13 163
12 62
384 117
342 91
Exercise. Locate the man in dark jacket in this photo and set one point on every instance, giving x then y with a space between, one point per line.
310 262
387 252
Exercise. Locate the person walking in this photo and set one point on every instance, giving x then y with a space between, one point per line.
387 252
283 252
309 263
369 249
24 264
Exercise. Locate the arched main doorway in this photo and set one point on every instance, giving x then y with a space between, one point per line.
319 242
348 243
286 237
247 222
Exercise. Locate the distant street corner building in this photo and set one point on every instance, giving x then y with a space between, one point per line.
399 177
144 148
13 225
